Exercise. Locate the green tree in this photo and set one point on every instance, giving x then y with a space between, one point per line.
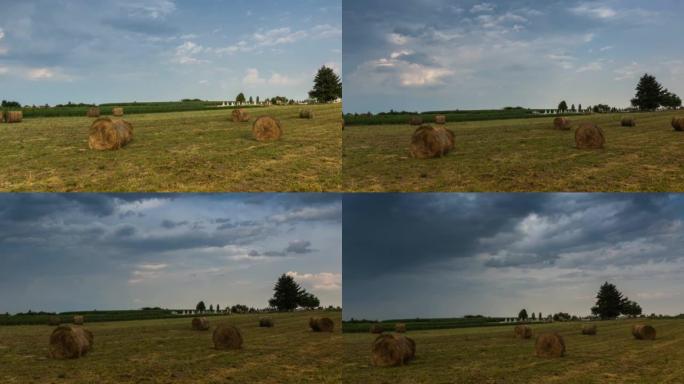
257 100
522 315
240 99
609 302
540 316
218 308
534 316
309 301
572 108
327 86
579 108
201 307
631 308
670 100
211 307
286 294
649 93
251 100
563 106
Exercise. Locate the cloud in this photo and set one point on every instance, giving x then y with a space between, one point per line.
594 11
153 9
628 72
309 214
40 74
320 281
482 7
278 36
591 67
299 247
187 52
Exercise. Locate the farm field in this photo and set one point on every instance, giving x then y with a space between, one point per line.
493 355
169 351
192 151
520 155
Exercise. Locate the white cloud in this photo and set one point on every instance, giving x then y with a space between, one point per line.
322 280
252 77
278 36
152 267
398 39
326 31
628 72
2 33
416 75
40 74
331 212
591 10
591 67
186 53
4 70
154 9
482 7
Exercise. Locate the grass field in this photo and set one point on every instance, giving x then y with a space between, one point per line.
362 326
168 351
493 355
520 155
198 151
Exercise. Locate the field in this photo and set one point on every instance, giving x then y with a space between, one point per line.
195 151
520 155
422 324
492 355
168 351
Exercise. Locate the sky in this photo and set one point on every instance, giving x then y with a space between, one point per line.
70 252
420 55
95 51
450 255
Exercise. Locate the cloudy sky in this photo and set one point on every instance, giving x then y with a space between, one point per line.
446 54
54 51
442 255
63 252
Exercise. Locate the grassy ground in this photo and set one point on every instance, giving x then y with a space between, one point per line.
492 355
520 155
176 152
168 351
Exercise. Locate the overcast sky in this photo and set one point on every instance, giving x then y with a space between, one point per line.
446 54
442 255
62 252
54 51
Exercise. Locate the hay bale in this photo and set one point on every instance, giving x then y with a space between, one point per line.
70 342
550 345
678 123
562 123
429 142
643 332
400 327
589 136
54 320
522 331
79 320
376 328
14 116
628 122
440 119
200 324
227 337
117 111
108 134
392 350
265 323
93 112
306 114
321 324
240 116
416 120
2 117
589 329
267 128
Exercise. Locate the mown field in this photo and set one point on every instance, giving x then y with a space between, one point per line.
169 351
363 326
493 355
199 151
520 155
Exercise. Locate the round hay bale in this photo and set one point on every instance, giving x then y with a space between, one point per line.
562 123
440 119
628 122
550 345
54 320
376 328
342 123
240 116
522 331
267 128
589 329
400 327
643 332
117 111
589 136
200 324
108 134
321 324
265 323
2 117
306 114
392 350
14 116
430 142
79 320
227 337
93 112
70 342
416 120
678 123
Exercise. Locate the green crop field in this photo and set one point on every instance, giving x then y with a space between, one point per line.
493 355
422 324
169 351
195 151
520 155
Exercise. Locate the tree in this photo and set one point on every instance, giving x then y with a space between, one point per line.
631 308
251 100
218 308
286 294
540 316
327 86
257 99
240 99
609 302
201 307
534 316
670 100
309 301
572 108
563 106
211 307
522 315
579 108
648 93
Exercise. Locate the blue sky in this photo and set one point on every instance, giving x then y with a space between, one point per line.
63 252
54 51
446 54
444 255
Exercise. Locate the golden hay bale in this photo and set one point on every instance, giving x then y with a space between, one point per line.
416 120
522 331
306 114
267 128
562 123
342 123
678 123
93 112
266 323
106 133
428 142
589 329
440 119
376 328
550 345
14 116
240 116
2 118
70 342
227 337
628 122
589 136
400 327
643 332
321 324
117 111
392 350
79 320
200 323
54 320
